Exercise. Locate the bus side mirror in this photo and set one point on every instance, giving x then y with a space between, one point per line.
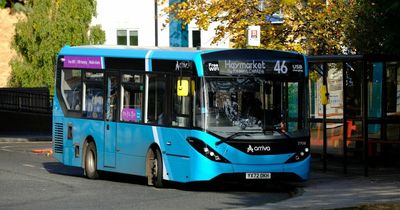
182 88
324 95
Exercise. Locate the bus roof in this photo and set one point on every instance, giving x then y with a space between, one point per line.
169 53
177 53
204 62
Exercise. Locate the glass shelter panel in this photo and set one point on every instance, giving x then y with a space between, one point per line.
334 109
375 95
393 88
353 88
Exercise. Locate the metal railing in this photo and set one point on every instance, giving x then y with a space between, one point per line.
33 100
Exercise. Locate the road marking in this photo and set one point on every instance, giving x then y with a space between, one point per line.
29 165
4 148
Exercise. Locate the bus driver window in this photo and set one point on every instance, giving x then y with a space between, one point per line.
181 102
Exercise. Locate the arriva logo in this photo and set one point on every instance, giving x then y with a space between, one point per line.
250 149
261 148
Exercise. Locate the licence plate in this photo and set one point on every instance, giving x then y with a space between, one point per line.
258 175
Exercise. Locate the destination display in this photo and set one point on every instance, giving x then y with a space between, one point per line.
254 67
84 62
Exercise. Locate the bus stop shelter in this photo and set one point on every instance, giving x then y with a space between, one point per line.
361 121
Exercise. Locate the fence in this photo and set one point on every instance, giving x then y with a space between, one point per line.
31 100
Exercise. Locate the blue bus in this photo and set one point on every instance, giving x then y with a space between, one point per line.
182 115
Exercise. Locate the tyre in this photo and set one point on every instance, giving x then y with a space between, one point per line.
156 168
91 162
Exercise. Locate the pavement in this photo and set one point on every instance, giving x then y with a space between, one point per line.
24 137
324 190
333 190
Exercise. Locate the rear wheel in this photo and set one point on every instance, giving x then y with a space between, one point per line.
91 162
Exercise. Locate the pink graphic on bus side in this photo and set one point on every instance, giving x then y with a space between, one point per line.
131 115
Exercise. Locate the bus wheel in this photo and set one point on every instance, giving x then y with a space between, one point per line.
156 169
91 162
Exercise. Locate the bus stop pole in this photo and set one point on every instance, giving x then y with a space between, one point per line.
324 153
345 127
365 116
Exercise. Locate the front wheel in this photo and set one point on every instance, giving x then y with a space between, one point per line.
91 162
155 176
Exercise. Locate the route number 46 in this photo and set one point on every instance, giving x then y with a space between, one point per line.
281 67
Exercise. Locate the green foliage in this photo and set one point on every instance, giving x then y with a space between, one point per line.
15 5
50 25
313 27
18 7
375 28
96 35
3 3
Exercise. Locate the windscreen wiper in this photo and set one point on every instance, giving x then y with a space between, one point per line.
233 136
277 130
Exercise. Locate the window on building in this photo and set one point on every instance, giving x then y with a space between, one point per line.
71 88
132 89
122 37
196 38
128 37
133 38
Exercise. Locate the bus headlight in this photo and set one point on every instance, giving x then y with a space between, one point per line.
206 150
303 151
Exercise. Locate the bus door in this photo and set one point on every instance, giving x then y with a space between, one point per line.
110 125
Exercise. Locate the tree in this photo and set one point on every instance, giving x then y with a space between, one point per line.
375 27
50 25
313 26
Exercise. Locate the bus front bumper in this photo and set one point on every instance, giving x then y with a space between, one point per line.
212 170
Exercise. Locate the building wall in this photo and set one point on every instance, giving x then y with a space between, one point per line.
207 37
126 14
140 15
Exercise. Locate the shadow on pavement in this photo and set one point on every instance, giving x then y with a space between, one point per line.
237 186
61 169
211 186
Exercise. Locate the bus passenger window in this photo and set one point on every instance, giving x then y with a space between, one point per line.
112 96
156 99
71 89
132 89
93 107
